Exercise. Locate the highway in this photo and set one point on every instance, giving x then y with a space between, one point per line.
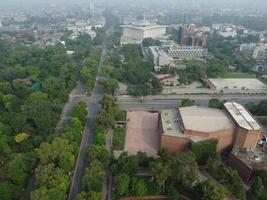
169 102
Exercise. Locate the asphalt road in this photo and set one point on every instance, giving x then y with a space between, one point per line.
88 135
169 102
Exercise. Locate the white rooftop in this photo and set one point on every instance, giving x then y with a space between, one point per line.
171 122
205 119
242 117
238 83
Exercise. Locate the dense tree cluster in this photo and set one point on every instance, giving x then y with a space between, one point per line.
134 71
56 158
258 109
90 69
34 85
108 113
226 176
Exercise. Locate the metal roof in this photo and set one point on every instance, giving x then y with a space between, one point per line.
242 117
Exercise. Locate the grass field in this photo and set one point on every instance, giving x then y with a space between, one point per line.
238 75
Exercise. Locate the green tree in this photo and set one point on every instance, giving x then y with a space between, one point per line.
100 153
21 137
39 109
161 171
215 103
138 187
257 190
50 177
40 194
122 183
17 171
93 177
204 150
207 190
80 112
129 164
185 169
5 190
187 102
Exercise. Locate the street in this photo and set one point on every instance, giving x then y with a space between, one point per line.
169 102
88 135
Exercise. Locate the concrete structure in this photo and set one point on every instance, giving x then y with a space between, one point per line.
254 51
193 124
135 33
188 52
232 126
159 57
248 130
245 161
236 84
142 133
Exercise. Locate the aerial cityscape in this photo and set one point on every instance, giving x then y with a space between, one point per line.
133 100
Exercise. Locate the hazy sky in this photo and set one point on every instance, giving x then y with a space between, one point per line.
223 3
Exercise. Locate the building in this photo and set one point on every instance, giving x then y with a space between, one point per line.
233 125
135 33
180 127
254 51
246 161
159 57
188 52
235 85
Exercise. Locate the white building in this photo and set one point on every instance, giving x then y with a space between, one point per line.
188 52
135 33
159 57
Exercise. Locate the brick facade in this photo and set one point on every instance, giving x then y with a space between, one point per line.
243 169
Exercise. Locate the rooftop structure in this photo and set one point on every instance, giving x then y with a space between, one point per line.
159 57
255 158
247 160
171 123
135 33
142 133
188 52
241 116
237 84
205 119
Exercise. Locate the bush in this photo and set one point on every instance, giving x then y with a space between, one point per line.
204 149
118 139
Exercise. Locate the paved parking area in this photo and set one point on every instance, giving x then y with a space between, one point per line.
142 133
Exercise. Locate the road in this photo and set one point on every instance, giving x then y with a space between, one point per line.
169 102
88 135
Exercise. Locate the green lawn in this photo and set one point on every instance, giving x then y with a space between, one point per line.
238 75
119 138
121 116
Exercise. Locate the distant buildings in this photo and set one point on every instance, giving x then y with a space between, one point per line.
236 85
159 57
226 30
188 52
254 51
190 35
135 33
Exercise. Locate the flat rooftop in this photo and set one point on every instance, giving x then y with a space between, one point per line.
255 158
205 119
238 83
142 133
241 116
171 123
